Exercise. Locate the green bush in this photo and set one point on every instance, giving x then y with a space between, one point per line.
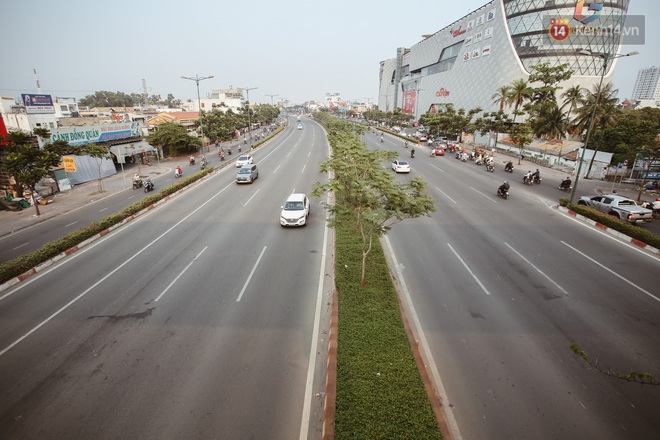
632 231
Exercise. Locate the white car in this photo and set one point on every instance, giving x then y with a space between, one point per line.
295 210
401 166
245 159
299 126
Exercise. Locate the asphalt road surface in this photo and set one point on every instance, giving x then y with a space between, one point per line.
500 289
202 319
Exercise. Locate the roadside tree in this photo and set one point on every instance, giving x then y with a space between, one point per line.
175 138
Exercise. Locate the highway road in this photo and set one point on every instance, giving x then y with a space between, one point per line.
500 289
201 319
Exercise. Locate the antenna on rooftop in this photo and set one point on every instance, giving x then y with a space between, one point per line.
36 78
145 93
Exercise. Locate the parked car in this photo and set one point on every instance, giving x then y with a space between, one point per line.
245 159
439 151
295 210
401 166
618 206
247 174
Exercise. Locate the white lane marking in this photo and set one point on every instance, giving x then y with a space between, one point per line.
251 274
444 194
537 269
255 193
469 270
20 246
486 196
179 276
423 342
605 234
84 251
278 167
612 272
71 224
307 402
303 169
439 169
101 210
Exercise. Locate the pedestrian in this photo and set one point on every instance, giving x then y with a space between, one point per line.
522 156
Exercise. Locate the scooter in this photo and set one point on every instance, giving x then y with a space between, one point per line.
565 186
137 183
202 165
228 150
537 180
502 193
191 161
490 167
178 173
509 167
148 185
239 148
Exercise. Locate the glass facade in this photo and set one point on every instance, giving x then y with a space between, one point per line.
592 26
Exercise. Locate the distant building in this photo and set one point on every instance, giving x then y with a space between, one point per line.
465 63
647 85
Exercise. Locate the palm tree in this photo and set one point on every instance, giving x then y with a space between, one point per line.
550 123
572 97
605 109
519 92
501 96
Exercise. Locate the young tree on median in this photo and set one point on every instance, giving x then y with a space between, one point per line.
520 135
364 188
100 154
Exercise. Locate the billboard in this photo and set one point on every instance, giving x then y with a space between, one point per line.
96 133
38 104
409 100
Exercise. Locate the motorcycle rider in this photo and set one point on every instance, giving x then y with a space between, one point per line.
192 160
178 171
381 138
406 144
528 177
412 152
566 183
504 187
508 166
536 175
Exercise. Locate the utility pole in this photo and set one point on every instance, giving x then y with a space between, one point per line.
197 79
271 99
247 90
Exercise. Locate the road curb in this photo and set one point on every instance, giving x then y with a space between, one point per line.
608 230
331 374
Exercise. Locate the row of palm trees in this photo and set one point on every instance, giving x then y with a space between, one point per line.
550 119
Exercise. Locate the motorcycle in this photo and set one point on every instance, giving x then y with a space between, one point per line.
648 205
202 165
509 167
148 185
464 157
406 144
381 140
229 150
191 161
528 179
178 173
537 180
565 185
412 153
502 193
239 148
490 167
137 183
479 162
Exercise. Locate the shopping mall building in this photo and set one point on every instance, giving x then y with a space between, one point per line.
465 63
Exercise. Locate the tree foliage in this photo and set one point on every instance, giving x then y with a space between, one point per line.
26 162
362 185
174 138
100 154
521 136
105 98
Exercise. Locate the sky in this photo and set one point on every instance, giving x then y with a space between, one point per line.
296 50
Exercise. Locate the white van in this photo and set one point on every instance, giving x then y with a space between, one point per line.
295 210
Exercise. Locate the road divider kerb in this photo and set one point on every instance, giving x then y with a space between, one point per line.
608 230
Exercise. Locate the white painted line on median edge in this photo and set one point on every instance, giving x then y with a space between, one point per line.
303 169
278 167
71 224
255 193
439 169
20 246
179 276
311 368
612 272
537 269
468 269
447 409
443 193
251 274
485 195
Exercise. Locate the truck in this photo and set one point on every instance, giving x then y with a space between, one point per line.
619 207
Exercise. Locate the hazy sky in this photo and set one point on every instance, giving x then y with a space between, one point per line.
297 50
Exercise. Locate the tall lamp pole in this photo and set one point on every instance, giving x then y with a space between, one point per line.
247 89
271 99
606 59
197 79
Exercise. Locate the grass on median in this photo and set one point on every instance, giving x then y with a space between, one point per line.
380 393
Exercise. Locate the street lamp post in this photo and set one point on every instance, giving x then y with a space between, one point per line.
247 89
271 99
197 79
606 59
